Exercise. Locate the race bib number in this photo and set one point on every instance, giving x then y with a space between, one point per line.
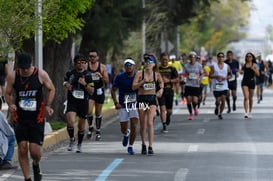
28 104
78 94
149 86
99 91
95 76
129 98
219 85
232 78
193 76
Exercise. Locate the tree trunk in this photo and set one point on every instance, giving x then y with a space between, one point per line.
57 59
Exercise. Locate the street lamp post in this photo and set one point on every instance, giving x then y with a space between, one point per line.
143 42
39 35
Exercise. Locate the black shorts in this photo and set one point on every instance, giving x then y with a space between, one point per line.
30 130
2 80
80 107
99 99
167 98
220 93
146 99
250 84
192 91
232 85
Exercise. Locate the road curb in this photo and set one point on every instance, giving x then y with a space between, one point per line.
61 135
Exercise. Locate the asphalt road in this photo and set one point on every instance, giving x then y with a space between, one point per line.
204 149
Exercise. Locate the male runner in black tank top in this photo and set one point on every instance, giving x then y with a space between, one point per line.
99 77
170 77
28 111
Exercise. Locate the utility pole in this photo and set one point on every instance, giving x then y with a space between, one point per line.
143 42
39 35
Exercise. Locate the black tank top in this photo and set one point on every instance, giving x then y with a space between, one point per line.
29 97
98 83
249 74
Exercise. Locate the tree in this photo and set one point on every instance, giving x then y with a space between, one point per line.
61 21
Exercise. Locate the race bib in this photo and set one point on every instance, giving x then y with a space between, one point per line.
78 94
99 91
149 86
130 97
95 76
28 104
193 76
219 85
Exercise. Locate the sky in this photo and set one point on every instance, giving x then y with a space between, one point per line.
261 17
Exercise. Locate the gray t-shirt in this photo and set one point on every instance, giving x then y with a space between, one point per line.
193 73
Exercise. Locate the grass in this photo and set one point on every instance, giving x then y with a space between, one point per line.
55 125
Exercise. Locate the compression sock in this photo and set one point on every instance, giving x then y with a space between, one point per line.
70 131
98 122
80 136
189 108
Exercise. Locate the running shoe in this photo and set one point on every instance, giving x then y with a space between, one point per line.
130 150
79 148
71 144
89 133
7 165
246 115
191 117
249 115
144 150
98 136
150 150
196 112
125 139
216 111
164 129
220 116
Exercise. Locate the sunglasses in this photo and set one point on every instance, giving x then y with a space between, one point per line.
92 56
128 65
81 62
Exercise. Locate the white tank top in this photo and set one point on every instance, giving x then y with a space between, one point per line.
220 85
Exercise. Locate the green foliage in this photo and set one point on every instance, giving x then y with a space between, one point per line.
215 28
60 17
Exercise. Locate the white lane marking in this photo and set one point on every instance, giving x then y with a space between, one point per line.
193 148
206 120
181 174
201 131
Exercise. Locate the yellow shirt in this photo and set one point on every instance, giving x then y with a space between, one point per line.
205 79
177 65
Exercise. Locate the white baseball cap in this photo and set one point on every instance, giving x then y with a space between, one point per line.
129 60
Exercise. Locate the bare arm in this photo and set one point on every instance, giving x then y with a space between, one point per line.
46 81
105 77
136 82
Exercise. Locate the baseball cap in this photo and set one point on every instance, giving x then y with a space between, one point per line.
24 60
192 53
129 61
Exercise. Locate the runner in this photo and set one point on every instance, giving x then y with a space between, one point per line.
28 109
126 103
205 81
99 77
184 60
263 69
145 81
170 78
79 85
232 82
220 73
249 70
193 71
177 65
